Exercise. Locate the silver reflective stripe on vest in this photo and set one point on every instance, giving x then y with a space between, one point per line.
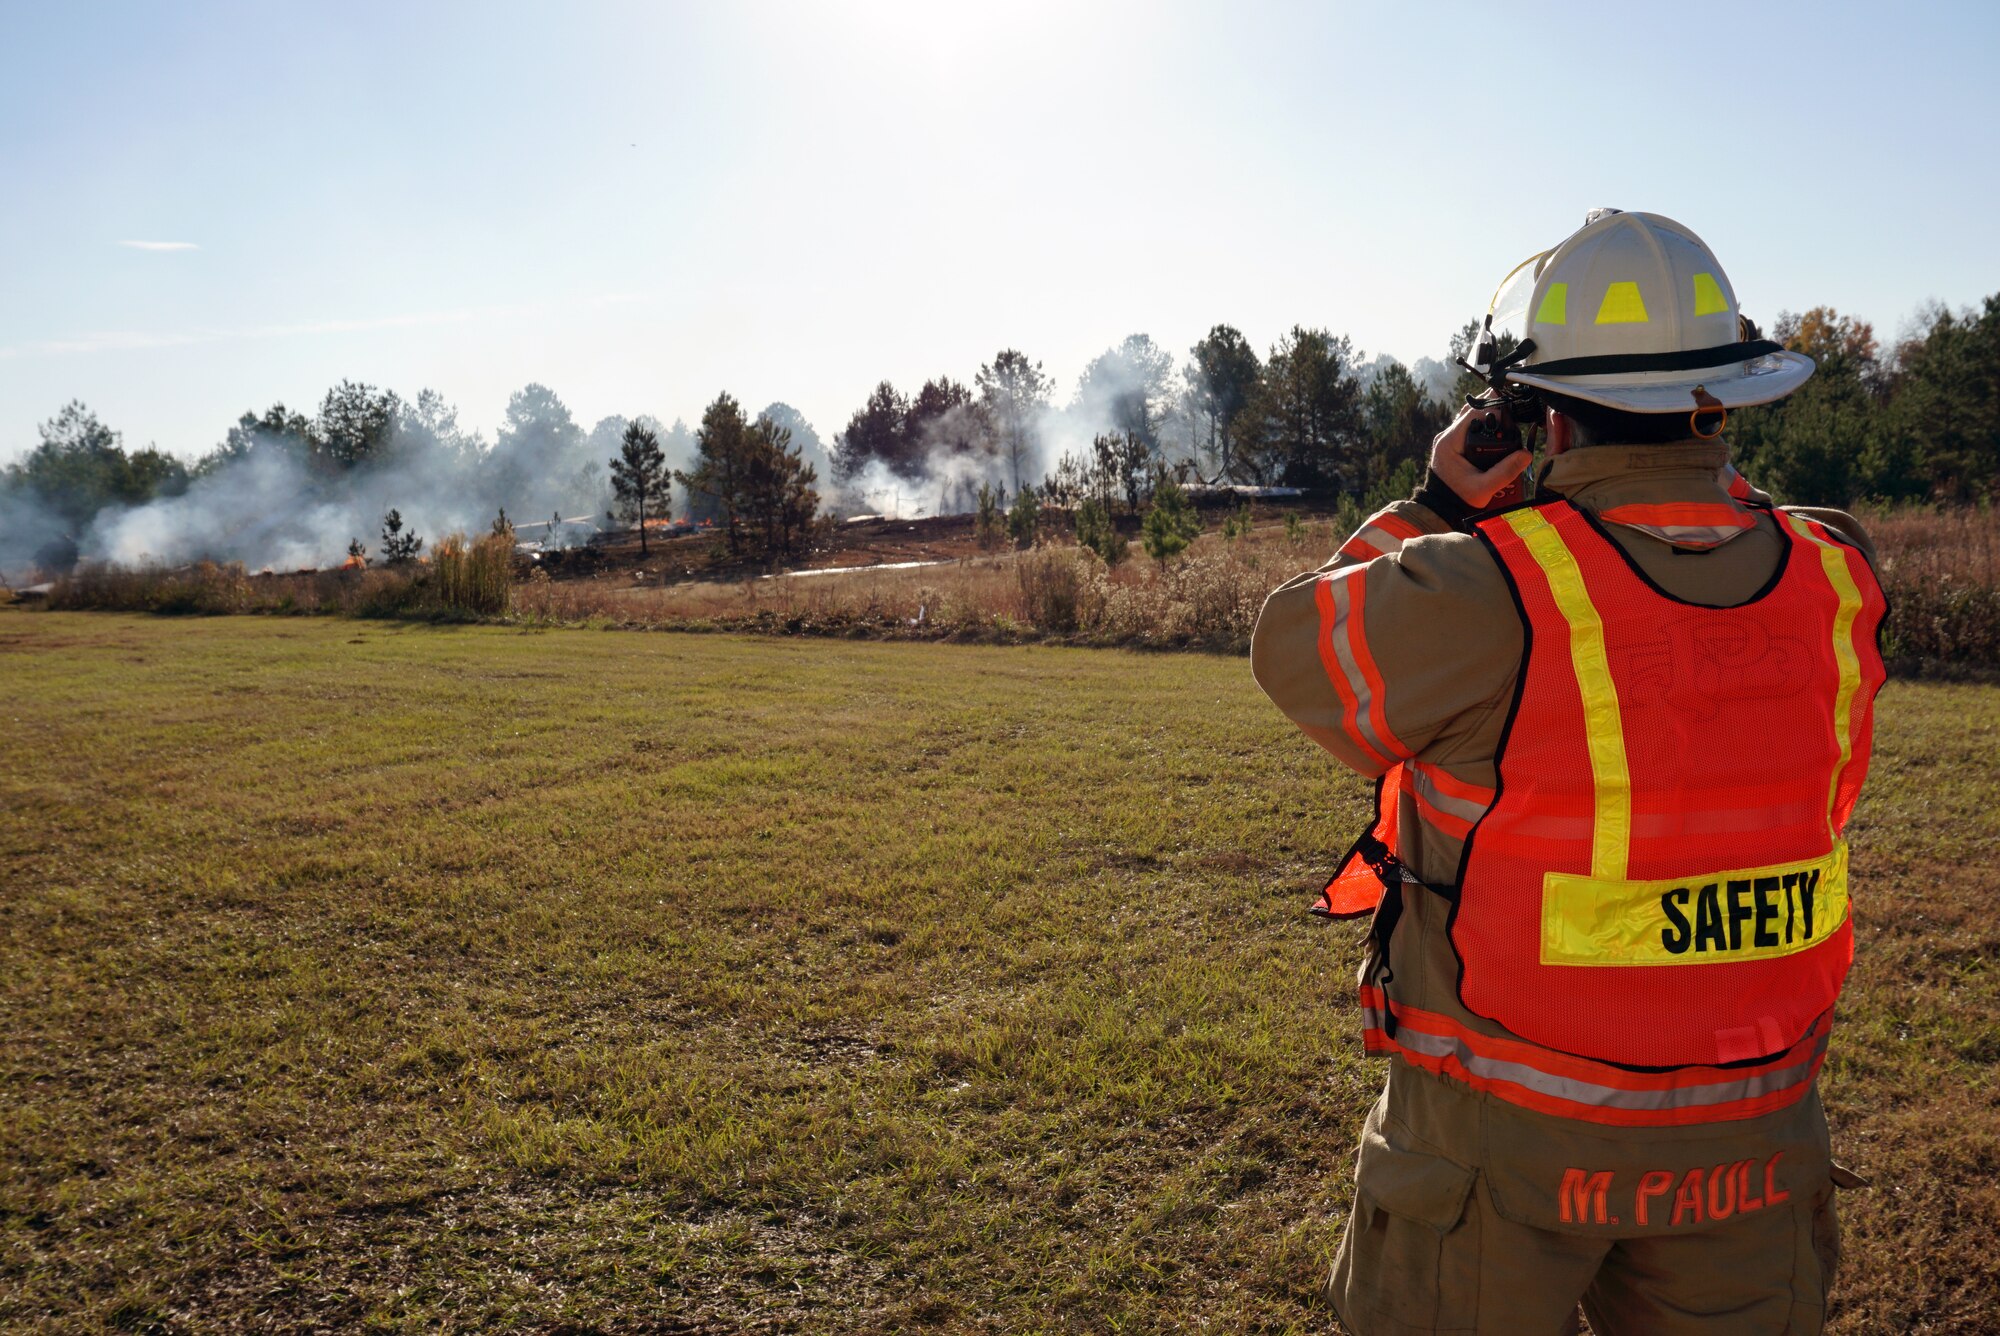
1763 1082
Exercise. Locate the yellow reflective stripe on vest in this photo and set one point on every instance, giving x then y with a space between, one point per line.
1712 918
1834 562
1604 729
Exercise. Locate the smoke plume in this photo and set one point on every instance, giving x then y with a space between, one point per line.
285 492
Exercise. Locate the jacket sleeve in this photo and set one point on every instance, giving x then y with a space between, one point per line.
1842 523
1405 639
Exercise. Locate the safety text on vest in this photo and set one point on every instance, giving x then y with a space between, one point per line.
1706 918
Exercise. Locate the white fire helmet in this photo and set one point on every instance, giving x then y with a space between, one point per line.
1633 311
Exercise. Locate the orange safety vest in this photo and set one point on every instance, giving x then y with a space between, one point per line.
1657 896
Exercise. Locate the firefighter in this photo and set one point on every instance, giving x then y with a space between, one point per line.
1616 733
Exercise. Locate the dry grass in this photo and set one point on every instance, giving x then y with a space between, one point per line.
461 579
402 977
474 577
1941 569
1207 599
226 587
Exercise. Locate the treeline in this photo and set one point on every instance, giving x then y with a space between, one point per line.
286 485
1310 413
81 466
1919 421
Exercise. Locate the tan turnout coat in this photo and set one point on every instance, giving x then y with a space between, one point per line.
1474 1214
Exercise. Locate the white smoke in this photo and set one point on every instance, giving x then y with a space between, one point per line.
268 500
1128 387
269 508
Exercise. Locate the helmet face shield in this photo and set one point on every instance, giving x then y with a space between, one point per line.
1507 313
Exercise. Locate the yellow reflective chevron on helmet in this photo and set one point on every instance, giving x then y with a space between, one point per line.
1708 298
1622 305
1554 309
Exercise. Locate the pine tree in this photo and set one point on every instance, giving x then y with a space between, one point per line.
1238 524
1024 518
1095 530
1015 394
721 471
778 492
1171 524
639 478
398 547
990 523
1119 467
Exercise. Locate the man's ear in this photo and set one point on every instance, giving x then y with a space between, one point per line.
1560 438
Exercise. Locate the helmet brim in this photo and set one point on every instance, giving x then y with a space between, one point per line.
1737 385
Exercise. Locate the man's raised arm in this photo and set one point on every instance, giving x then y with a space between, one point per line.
1393 647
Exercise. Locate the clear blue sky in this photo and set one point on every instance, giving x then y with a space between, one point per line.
642 204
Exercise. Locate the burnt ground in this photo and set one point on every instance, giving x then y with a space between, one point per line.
839 543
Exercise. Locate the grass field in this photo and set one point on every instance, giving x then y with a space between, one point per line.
362 975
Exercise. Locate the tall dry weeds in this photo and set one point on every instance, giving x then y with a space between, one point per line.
1941 572
208 588
1060 591
474 578
1941 569
1207 599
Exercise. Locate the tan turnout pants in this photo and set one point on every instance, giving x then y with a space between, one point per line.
1475 1218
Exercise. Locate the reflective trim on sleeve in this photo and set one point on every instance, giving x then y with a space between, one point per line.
1341 597
1385 532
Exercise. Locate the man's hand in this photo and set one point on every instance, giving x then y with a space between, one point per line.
1473 485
